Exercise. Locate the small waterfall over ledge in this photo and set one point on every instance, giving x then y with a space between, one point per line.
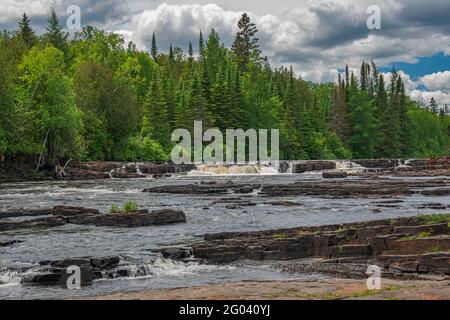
247 169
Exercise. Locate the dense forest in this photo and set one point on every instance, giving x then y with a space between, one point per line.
92 97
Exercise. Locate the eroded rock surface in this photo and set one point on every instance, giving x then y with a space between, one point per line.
341 188
60 215
407 245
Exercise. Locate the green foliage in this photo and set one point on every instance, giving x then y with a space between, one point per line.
128 207
435 218
143 149
55 35
93 97
48 97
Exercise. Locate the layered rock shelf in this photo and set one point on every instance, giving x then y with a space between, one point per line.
320 188
417 245
24 169
61 215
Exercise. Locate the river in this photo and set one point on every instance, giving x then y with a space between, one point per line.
137 246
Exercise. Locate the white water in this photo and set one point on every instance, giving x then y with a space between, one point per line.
349 166
249 169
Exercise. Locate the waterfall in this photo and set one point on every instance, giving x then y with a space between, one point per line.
249 169
349 166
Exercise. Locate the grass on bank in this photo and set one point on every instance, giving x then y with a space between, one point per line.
128 207
435 218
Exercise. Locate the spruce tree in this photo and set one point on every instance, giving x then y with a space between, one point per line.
433 107
155 122
154 48
55 34
245 46
341 122
26 32
201 46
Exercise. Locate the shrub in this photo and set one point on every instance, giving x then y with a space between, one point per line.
143 149
127 208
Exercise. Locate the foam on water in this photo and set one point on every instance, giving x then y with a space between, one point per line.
349 166
221 170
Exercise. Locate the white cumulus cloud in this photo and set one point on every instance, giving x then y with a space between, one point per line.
437 81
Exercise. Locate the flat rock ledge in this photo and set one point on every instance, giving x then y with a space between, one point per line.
416 245
61 215
333 187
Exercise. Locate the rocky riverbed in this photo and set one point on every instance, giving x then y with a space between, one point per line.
47 225
404 246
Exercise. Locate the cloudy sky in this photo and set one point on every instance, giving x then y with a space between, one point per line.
316 37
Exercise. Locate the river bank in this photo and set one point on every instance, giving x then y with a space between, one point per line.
330 289
19 170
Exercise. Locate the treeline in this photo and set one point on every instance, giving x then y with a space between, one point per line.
93 98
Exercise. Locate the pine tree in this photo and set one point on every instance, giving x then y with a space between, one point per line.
390 123
171 55
198 103
245 46
55 34
201 46
341 122
363 77
154 48
434 107
155 122
26 32
190 52
406 146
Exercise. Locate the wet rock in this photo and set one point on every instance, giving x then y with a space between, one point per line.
377 163
131 220
285 203
359 242
233 206
105 263
66 211
25 212
204 189
65 263
353 188
55 272
177 253
208 182
50 222
334 175
430 263
305 166
433 206
57 276
436 192
9 243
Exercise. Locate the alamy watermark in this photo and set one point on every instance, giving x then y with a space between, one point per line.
374 281
73 21
373 22
233 150
73 282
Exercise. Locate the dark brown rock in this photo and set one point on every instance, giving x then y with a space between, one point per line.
50 222
359 242
334 175
130 220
